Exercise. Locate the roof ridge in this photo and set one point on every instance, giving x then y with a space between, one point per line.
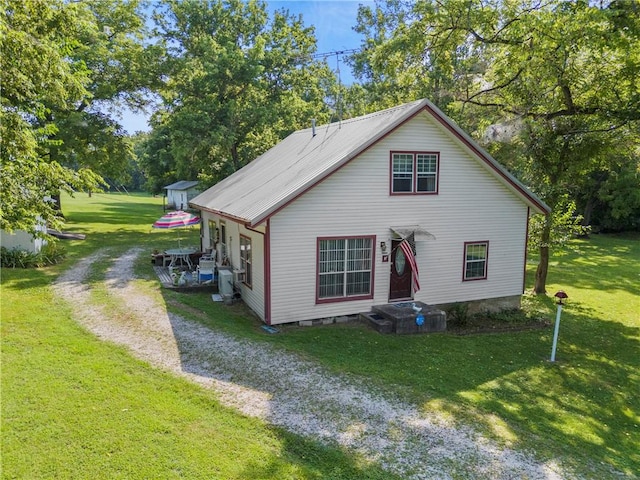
366 116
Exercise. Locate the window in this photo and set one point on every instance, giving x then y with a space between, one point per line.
223 241
245 258
212 234
414 172
475 260
345 268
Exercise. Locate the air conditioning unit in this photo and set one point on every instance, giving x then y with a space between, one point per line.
225 282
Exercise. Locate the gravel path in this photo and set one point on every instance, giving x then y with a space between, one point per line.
261 381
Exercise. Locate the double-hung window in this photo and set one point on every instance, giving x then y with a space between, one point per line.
245 258
345 268
414 172
476 255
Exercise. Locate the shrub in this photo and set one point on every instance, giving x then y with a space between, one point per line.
458 314
50 254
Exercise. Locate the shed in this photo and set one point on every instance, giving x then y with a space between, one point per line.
180 193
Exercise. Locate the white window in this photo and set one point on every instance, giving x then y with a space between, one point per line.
345 268
245 259
476 255
414 172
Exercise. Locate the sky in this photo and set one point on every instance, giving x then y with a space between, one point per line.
333 21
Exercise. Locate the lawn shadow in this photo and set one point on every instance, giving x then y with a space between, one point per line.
583 402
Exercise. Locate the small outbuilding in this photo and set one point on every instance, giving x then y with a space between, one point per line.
22 240
396 206
179 194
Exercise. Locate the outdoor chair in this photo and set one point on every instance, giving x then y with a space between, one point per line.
206 270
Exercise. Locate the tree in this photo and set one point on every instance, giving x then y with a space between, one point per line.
237 83
124 69
564 73
36 38
68 67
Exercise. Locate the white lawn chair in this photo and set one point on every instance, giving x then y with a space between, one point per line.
206 270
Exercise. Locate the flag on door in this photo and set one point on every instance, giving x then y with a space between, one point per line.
408 246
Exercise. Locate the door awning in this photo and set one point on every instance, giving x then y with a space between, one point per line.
420 233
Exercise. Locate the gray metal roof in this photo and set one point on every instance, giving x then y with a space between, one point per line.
257 190
182 185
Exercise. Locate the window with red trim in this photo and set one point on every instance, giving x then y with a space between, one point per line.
414 172
345 267
476 255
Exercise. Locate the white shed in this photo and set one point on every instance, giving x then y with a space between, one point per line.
22 240
180 193
312 227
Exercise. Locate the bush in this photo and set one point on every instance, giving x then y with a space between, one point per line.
458 314
50 254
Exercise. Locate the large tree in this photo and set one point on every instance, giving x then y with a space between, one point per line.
238 82
36 39
557 80
68 67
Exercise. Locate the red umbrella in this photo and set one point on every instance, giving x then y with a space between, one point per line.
176 219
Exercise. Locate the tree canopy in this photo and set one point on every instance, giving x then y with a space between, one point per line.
67 68
237 82
550 87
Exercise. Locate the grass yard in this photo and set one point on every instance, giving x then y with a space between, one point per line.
75 407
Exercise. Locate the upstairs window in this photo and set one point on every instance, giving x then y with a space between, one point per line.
475 260
414 172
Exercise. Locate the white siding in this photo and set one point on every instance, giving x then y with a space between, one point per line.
22 240
254 296
471 206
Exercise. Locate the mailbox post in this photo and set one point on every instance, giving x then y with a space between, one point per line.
561 296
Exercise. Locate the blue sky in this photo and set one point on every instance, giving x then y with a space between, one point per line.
333 21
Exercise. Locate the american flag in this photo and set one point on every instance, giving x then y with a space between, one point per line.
408 246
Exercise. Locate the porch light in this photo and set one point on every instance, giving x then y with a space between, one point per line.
561 296
383 247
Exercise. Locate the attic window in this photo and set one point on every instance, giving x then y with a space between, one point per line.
414 172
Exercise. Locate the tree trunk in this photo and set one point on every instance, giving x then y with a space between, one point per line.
540 287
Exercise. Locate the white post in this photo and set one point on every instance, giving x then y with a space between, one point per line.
555 333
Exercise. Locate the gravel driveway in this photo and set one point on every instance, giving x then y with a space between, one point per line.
261 381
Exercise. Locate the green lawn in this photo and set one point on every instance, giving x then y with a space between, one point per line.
74 407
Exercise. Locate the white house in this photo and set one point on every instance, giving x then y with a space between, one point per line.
312 226
180 193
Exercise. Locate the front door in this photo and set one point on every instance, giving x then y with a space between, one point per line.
400 285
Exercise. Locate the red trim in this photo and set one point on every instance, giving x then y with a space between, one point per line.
226 216
464 262
484 157
354 155
267 273
368 296
414 179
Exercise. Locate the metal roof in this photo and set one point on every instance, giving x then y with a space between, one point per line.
287 170
182 185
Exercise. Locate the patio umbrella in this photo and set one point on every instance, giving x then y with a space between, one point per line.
177 219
